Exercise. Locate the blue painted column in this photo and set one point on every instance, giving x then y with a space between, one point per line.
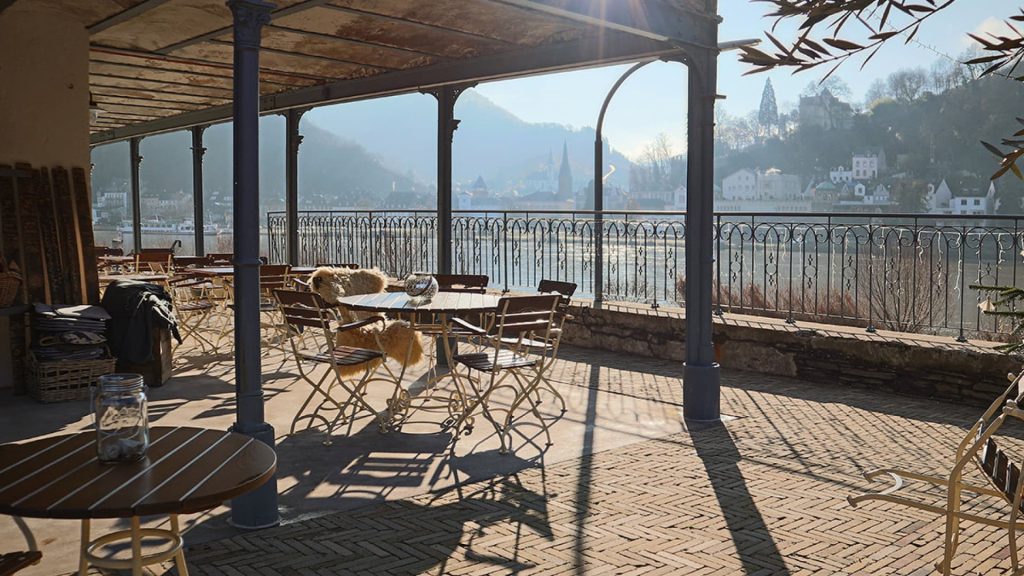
256 509
701 380
136 192
293 138
198 212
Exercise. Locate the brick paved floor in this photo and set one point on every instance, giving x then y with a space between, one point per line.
624 489
762 494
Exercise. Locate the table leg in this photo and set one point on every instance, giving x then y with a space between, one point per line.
136 547
179 558
83 564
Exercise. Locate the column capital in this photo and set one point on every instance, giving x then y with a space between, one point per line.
249 18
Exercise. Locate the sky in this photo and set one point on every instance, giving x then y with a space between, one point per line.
653 100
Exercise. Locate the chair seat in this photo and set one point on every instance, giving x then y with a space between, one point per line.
344 355
485 361
527 343
194 306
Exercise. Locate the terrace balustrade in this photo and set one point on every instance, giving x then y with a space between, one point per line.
901 272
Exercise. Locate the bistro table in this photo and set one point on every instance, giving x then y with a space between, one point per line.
441 306
230 270
186 470
105 279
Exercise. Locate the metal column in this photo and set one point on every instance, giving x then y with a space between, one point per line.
135 164
197 188
291 199
258 508
701 384
446 126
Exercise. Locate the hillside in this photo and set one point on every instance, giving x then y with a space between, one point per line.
934 137
490 141
330 168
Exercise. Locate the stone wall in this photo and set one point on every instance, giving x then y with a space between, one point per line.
917 365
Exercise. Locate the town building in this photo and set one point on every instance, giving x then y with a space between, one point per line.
825 111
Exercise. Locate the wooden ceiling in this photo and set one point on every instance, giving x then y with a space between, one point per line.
152 60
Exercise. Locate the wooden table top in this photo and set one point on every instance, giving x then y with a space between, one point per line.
108 278
230 270
186 470
116 259
442 303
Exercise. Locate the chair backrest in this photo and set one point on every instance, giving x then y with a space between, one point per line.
565 289
107 251
274 276
190 261
153 259
221 257
348 265
992 459
302 310
521 315
471 283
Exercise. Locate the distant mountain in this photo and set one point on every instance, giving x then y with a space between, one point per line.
490 141
356 154
332 171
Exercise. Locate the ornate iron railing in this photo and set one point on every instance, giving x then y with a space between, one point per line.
897 271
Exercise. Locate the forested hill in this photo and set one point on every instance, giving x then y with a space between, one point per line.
928 138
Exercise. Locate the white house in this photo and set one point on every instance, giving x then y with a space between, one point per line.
865 166
941 200
840 174
740 185
770 185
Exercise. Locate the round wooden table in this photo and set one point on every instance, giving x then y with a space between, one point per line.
230 270
186 470
444 303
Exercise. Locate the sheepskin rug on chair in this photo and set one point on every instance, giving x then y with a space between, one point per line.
397 338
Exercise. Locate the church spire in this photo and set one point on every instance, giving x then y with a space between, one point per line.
565 174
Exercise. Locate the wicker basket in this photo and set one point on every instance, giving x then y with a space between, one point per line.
10 281
57 381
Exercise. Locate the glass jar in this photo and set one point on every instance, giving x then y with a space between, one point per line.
122 425
421 286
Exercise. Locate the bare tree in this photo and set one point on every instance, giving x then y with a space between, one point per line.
907 85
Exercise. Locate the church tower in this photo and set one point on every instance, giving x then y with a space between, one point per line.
565 174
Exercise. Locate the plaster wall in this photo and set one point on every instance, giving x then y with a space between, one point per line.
44 87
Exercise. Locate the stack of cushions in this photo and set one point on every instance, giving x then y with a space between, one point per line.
69 332
397 337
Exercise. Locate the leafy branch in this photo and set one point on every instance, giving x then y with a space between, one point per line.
875 18
1005 306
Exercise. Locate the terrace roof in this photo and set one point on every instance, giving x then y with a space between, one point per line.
159 65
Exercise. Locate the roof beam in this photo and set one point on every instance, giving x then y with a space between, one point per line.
418 24
281 13
602 50
652 19
124 16
314 56
312 34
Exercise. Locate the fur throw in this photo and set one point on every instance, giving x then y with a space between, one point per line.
335 283
397 338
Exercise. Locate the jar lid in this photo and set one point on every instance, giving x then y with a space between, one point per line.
123 381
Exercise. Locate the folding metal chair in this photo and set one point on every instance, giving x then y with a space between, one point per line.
306 319
193 309
980 445
431 328
517 319
157 260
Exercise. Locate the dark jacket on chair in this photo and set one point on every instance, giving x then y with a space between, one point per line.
135 308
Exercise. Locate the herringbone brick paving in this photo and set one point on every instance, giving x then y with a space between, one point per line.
762 494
